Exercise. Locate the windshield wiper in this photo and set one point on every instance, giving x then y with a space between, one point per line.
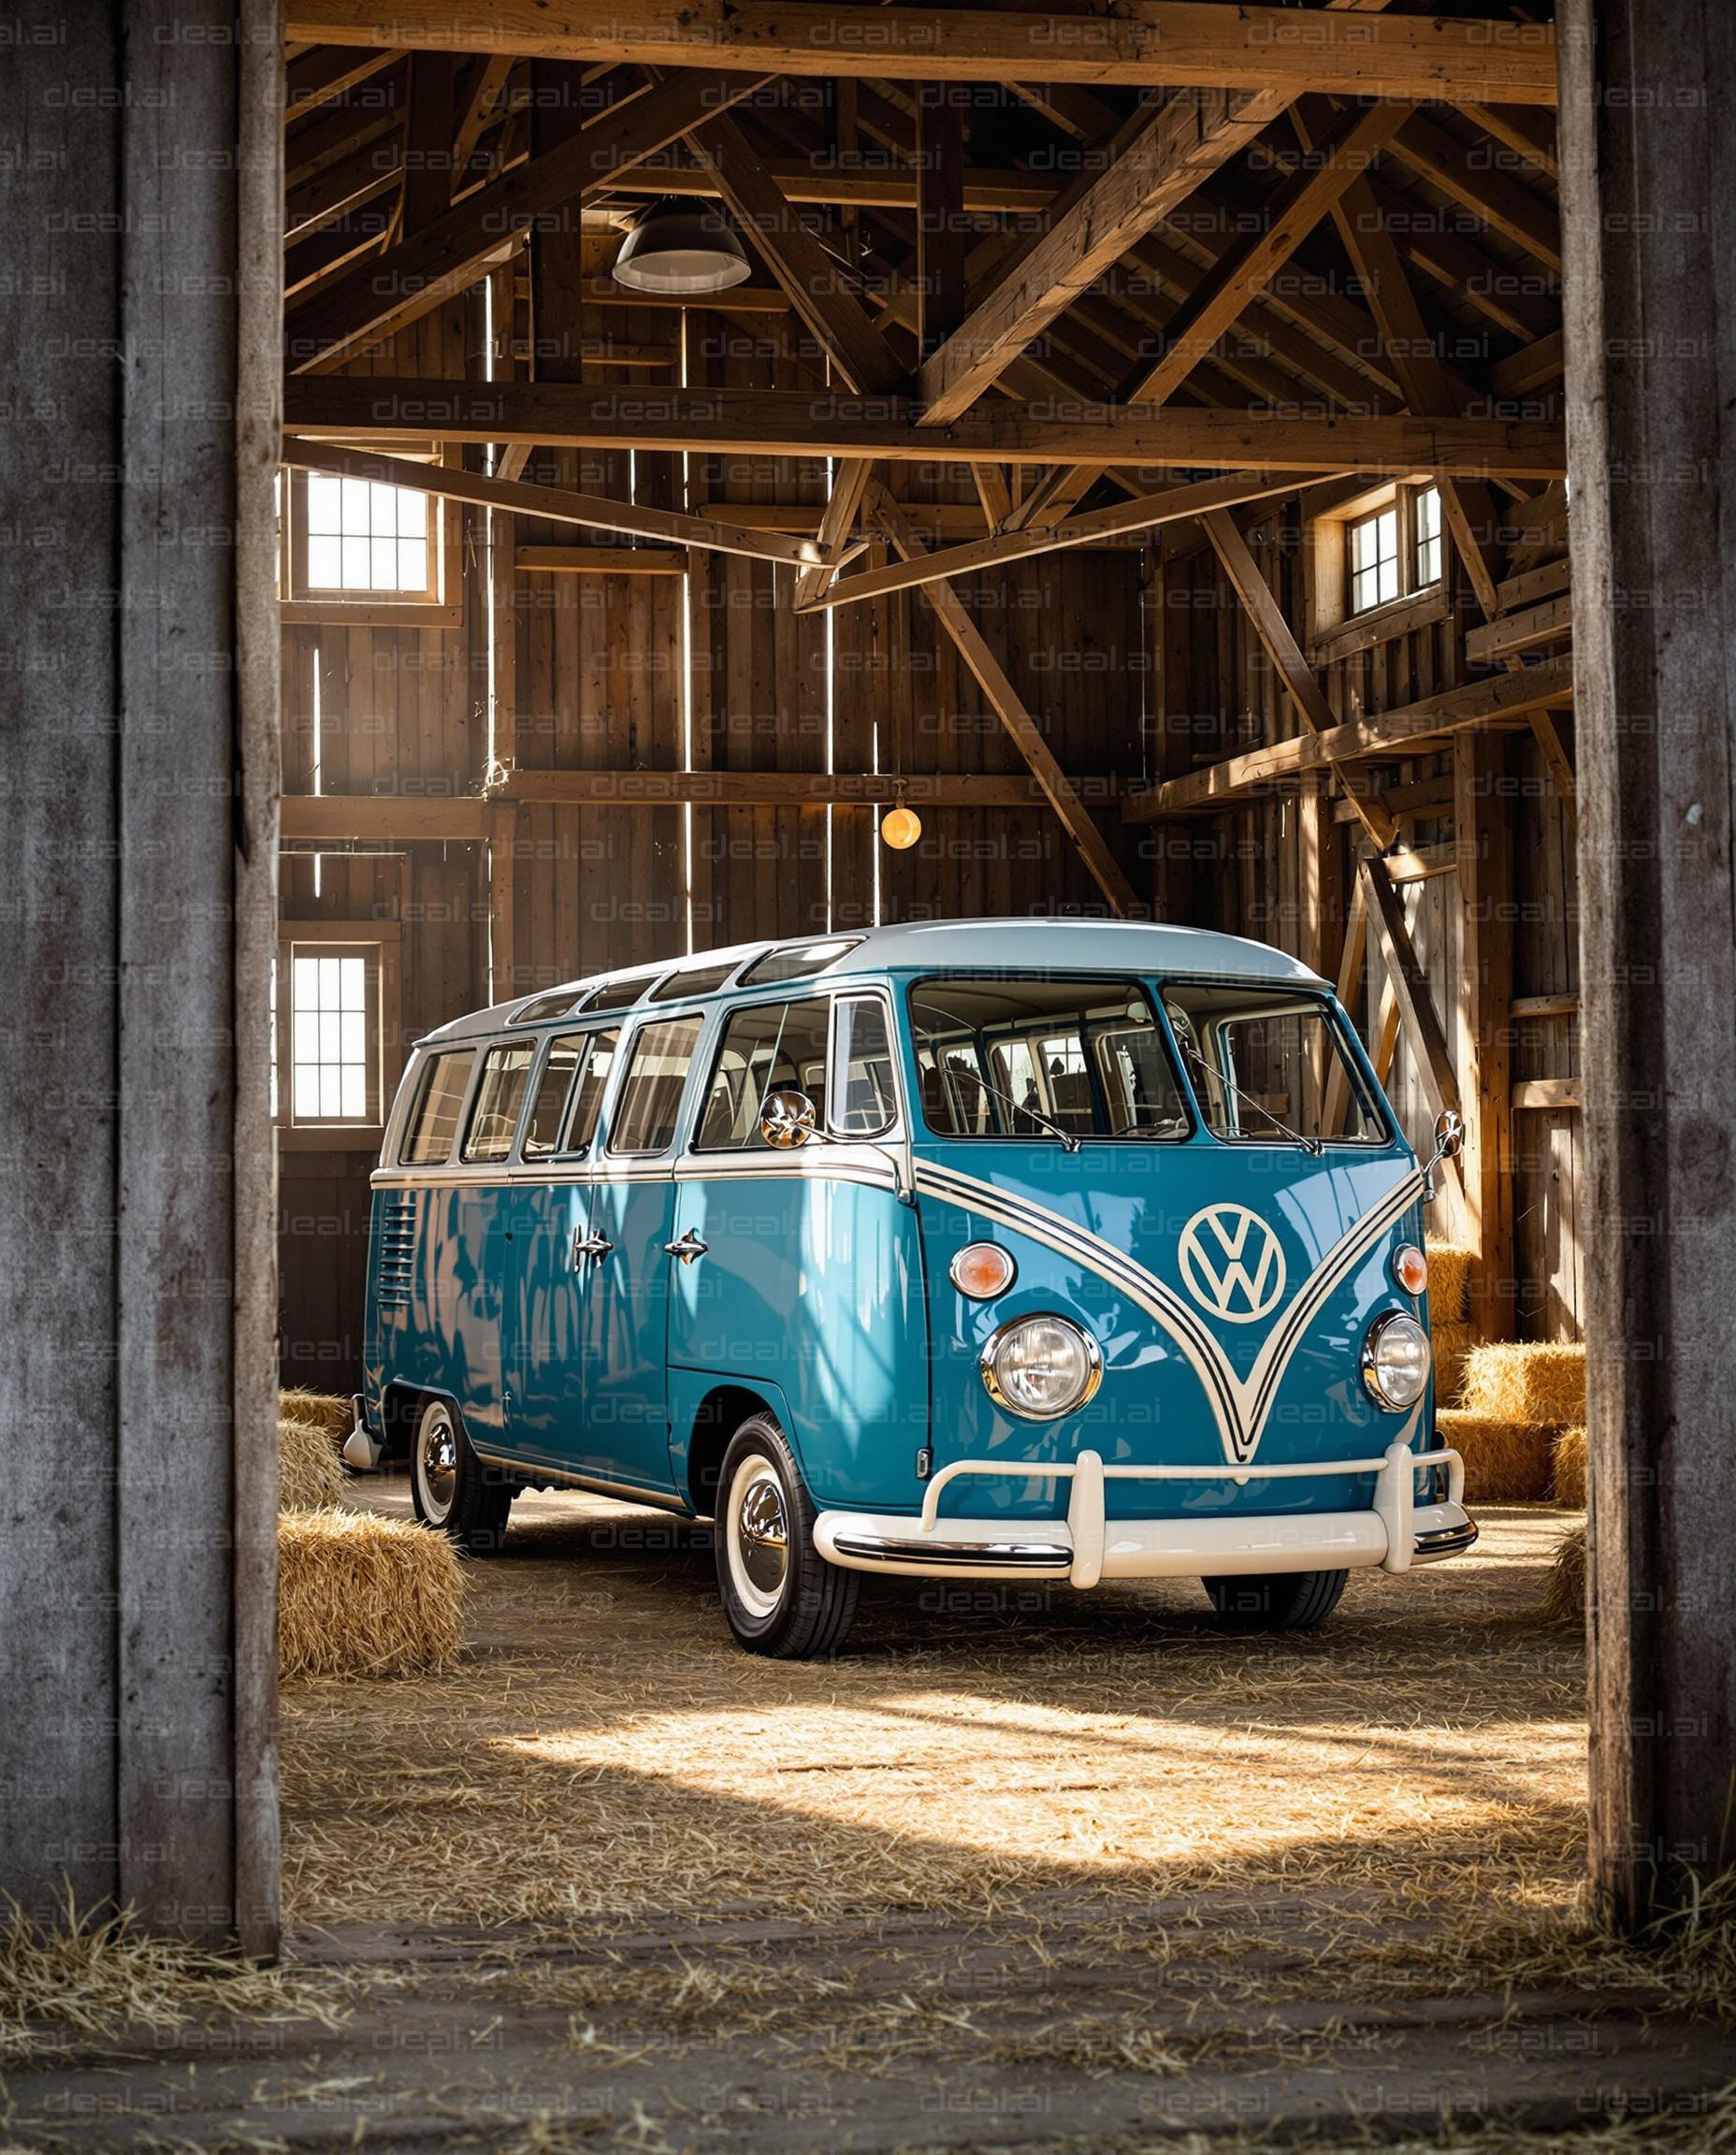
1313 1147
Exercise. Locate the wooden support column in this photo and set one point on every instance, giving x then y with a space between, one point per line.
1647 225
941 234
138 1278
1483 807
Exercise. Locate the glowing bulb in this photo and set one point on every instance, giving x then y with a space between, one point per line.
900 827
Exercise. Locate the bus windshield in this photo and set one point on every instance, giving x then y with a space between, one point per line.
1269 1069
1045 1057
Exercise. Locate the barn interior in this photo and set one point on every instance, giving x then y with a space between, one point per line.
1253 469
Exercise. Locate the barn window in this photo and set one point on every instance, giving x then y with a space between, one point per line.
333 1027
1378 565
1374 559
356 549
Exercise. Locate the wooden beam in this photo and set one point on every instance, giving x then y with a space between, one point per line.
429 131
1352 960
1027 736
1168 42
1508 696
1546 622
1305 692
1483 843
336 818
836 526
1529 134
557 504
1416 1009
942 231
490 81
1550 1093
1558 763
1498 200
429 267
599 561
1539 363
715 788
791 422
1158 158
815 182
812 280
1225 291
1144 513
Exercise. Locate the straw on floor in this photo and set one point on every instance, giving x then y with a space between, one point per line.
1449 1276
1526 1381
325 1411
309 1474
1570 1465
362 1596
1564 1595
1505 1461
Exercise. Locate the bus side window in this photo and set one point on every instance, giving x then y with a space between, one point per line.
494 1119
542 1131
863 1102
646 1116
588 1097
434 1122
765 1048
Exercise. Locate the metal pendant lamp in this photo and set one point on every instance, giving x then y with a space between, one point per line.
681 248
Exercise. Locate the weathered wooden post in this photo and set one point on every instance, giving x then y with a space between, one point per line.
139 345
1648 140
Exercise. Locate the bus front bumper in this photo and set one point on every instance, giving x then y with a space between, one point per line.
1084 1546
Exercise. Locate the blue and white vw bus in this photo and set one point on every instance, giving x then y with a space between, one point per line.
993 1249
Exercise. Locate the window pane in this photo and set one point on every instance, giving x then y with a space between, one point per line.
772 1046
413 565
305 1091
355 512
1270 1069
354 1108
506 1072
645 1121
357 555
864 1098
434 1122
325 564
1028 1056
581 1122
324 500
542 1131
798 961
330 1034
696 980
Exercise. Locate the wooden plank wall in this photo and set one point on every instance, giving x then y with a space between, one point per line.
1218 694
635 672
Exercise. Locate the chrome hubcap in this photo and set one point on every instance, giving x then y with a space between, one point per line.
438 1453
759 1536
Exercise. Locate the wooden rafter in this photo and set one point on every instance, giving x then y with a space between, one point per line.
1493 196
429 267
1220 296
1508 696
1157 159
1416 1009
1169 43
836 526
1144 513
1286 654
1027 736
813 279
791 422
558 505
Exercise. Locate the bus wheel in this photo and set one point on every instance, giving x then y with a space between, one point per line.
1276 1601
450 1487
779 1594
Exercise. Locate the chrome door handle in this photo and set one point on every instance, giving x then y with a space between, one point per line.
588 1245
687 1249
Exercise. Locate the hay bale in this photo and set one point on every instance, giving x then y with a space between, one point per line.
1526 1381
361 1596
1569 1465
1505 1461
325 1411
1564 1596
309 1474
1450 1343
1449 1278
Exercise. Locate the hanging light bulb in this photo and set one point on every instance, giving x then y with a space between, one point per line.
900 827
681 248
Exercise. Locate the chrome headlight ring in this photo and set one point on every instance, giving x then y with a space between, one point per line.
1015 1391
1396 1360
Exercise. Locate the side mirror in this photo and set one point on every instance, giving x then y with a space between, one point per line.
787 1120
1449 1134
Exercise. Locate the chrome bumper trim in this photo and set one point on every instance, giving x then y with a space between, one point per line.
1009 1556
1439 1541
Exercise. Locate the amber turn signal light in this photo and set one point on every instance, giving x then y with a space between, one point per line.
982 1270
1410 1268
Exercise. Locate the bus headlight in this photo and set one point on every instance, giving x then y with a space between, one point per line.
1041 1368
1395 1361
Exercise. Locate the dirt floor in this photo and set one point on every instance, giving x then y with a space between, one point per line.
1023 1869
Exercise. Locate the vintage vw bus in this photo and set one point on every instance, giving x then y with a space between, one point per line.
998 1250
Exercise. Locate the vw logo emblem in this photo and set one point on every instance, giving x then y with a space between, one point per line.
1232 1262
